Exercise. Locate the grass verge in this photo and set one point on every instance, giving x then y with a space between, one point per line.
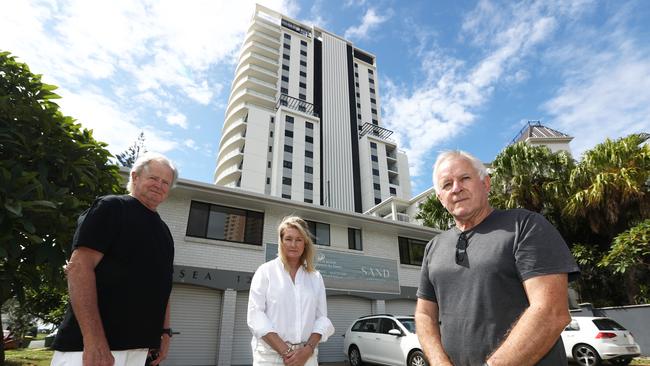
28 357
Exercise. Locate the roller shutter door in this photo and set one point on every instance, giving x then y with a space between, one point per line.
196 314
400 307
242 353
342 311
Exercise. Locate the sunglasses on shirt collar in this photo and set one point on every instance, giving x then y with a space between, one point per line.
461 248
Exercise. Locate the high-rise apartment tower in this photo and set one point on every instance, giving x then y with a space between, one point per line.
303 120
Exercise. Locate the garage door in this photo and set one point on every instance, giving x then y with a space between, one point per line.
241 345
195 313
342 311
400 307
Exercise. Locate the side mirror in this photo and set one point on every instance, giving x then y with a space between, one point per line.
395 332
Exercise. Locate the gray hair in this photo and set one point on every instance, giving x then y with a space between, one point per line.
142 163
453 154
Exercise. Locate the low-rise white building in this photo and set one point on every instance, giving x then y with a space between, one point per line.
370 265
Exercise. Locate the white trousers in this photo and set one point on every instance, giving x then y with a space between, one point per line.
130 357
266 356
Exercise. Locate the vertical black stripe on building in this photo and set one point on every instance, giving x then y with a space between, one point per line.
318 104
356 170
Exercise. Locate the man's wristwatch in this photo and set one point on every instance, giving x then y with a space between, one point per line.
167 331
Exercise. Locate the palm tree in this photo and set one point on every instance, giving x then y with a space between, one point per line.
611 185
434 214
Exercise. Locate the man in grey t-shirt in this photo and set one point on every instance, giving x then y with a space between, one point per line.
493 289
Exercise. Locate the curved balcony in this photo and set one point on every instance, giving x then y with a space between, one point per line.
231 128
261 49
235 142
264 38
255 71
254 58
247 95
251 83
262 25
228 175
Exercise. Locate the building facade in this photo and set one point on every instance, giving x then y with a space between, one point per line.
370 265
303 120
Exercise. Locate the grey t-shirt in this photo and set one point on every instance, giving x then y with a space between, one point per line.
482 297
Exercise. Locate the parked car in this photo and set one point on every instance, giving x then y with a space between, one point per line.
383 339
590 340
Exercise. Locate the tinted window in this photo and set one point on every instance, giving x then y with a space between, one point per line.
386 325
608 324
408 323
411 251
225 223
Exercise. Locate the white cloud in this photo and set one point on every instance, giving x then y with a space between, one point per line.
191 144
605 92
446 103
370 21
177 119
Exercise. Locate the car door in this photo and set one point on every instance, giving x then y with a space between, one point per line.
367 340
570 336
389 349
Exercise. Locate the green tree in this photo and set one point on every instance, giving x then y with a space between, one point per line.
128 157
534 178
433 214
51 169
630 255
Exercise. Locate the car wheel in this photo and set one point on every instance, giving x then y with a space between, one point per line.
586 355
620 361
354 356
416 358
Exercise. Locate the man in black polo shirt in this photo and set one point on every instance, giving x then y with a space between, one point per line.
120 275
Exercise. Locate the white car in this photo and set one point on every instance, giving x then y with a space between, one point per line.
383 339
590 340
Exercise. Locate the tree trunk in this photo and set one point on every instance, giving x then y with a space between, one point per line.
631 287
2 344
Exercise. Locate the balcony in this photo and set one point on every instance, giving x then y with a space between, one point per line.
296 104
375 131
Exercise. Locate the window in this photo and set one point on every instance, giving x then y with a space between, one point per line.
304 53
376 186
285 56
225 223
287 46
303 63
373 145
377 201
375 122
286 181
270 133
309 139
287 164
374 111
303 43
270 148
373 100
302 96
309 170
370 72
354 239
285 78
375 172
309 125
268 164
287 36
374 158
268 180
287 196
302 85
303 74
359 115
309 154
371 81
320 231
285 67
309 186
411 251
289 119
288 133
372 90
288 148
284 90
393 191
309 200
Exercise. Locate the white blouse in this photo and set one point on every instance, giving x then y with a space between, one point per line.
292 310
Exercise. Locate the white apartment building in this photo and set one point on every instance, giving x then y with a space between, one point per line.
369 266
303 120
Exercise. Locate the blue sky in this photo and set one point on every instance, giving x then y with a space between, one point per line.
453 74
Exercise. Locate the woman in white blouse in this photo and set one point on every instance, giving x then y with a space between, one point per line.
287 308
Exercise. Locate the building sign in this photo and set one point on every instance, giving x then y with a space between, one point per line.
352 272
219 279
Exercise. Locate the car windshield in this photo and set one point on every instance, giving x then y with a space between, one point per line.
608 324
408 323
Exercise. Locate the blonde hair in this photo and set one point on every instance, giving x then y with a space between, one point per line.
308 254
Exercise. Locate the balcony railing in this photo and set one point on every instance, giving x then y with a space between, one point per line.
374 130
296 104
